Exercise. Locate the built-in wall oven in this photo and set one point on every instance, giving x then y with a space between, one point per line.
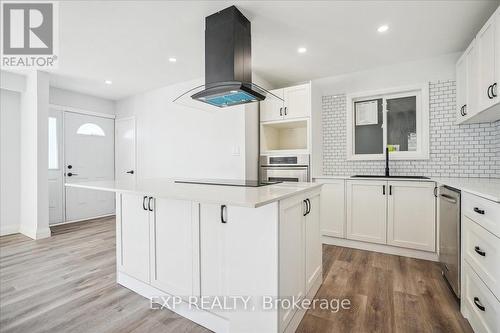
290 168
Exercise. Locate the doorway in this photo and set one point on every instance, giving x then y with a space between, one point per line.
81 148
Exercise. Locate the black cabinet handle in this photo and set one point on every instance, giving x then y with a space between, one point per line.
383 189
479 211
222 209
285 110
149 204
390 189
462 110
131 172
488 92
479 251
281 112
465 109
144 203
493 93
435 191
477 302
306 207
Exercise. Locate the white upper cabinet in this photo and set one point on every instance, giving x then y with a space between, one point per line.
410 216
366 210
272 108
297 101
296 104
478 75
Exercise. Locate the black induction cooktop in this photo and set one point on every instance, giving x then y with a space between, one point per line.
227 182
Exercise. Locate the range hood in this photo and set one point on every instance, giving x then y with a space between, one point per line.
228 63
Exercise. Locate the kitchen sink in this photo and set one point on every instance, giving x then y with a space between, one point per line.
377 176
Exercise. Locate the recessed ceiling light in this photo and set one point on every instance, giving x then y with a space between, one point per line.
172 59
302 50
108 82
383 28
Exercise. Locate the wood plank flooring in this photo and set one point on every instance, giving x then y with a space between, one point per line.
67 283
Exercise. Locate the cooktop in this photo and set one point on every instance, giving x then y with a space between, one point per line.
227 182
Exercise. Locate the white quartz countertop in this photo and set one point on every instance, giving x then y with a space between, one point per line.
488 188
229 195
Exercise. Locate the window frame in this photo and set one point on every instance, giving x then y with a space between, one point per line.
421 92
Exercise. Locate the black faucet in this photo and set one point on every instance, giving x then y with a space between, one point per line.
387 161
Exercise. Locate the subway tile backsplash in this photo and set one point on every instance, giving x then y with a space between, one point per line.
477 145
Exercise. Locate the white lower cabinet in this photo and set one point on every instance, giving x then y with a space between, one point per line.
366 210
411 215
300 250
397 213
133 224
175 247
154 247
333 207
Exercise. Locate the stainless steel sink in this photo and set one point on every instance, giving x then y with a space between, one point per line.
377 176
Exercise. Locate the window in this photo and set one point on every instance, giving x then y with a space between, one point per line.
90 129
53 146
395 118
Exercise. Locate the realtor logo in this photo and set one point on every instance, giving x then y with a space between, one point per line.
29 34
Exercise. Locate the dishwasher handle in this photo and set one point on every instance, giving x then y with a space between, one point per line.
448 198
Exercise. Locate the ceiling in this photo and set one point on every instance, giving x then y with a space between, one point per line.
129 42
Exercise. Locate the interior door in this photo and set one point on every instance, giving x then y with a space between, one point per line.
125 149
55 175
89 156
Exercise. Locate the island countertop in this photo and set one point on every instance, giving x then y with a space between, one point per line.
252 197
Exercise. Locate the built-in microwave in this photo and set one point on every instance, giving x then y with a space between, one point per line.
285 168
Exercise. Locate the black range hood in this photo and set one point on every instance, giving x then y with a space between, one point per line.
228 61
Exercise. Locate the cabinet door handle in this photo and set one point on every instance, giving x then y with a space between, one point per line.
493 91
383 189
305 207
222 209
465 109
462 110
285 110
480 306
308 206
281 112
479 251
390 189
144 202
149 204
488 92
479 211
435 191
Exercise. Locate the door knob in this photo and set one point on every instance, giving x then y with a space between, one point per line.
70 166
131 172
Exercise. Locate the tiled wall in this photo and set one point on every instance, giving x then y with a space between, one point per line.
478 145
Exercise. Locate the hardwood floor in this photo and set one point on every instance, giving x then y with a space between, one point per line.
67 283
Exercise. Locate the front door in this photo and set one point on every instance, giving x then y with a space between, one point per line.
89 156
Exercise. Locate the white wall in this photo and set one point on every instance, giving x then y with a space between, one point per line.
408 73
78 100
10 140
174 141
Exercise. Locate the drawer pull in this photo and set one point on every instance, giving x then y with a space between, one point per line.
479 211
478 304
478 251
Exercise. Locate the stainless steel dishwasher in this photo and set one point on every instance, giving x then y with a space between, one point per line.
449 236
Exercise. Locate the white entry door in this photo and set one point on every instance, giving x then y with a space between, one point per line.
56 194
125 167
89 156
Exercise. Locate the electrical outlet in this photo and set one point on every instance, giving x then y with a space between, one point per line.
454 159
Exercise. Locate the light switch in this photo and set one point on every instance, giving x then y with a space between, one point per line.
236 150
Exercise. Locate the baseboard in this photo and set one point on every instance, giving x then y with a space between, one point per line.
201 317
9 230
388 249
35 234
297 317
81 220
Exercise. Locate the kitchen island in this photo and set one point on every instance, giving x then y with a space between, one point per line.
232 259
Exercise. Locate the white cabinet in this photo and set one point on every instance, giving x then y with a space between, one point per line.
366 210
478 75
467 90
175 247
296 103
332 213
312 237
271 108
398 213
133 231
291 242
410 216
